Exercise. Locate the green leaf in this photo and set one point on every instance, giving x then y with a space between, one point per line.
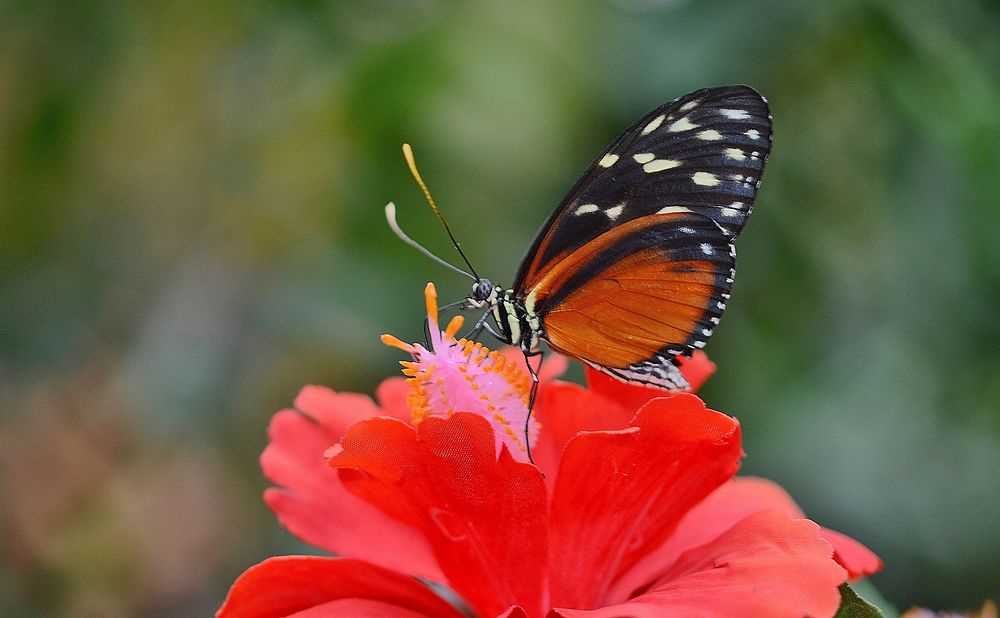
853 606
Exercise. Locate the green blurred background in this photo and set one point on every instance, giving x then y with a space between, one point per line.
191 229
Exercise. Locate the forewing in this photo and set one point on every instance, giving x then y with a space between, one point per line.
702 153
639 295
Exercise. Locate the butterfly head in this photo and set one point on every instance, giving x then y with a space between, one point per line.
484 294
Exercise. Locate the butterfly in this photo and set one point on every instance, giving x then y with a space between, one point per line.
634 269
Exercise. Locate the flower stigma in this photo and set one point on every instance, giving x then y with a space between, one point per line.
458 375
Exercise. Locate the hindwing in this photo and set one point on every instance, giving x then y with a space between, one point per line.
635 297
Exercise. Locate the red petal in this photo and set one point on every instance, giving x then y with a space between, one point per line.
335 411
485 518
553 366
315 506
391 395
721 510
358 608
289 584
620 494
696 369
768 564
566 409
852 555
626 395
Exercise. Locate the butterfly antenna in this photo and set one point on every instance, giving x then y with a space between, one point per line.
408 155
390 216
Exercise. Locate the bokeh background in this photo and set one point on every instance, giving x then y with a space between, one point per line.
191 229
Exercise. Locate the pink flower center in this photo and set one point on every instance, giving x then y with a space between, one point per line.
458 375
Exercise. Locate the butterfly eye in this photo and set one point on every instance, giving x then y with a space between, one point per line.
482 289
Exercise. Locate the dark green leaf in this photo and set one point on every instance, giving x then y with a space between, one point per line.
853 606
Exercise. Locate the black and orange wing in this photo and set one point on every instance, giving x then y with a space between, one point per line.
636 265
702 153
639 295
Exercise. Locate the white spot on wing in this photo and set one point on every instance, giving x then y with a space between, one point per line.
735 114
707 248
681 125
653 124
690 105
659 165
730 212
672 209
608 160
737 205
582 210
705 179
710 135
615 211
644 157
753 133
735 154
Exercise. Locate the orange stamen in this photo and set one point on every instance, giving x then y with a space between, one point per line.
454 325
430 296
395 342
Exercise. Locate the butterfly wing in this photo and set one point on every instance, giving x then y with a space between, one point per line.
702 153
637 296
636 265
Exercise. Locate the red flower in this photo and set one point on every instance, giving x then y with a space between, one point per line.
641 520
637 514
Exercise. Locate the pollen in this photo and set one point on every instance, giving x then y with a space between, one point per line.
449 375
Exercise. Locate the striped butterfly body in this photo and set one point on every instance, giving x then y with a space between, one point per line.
634 268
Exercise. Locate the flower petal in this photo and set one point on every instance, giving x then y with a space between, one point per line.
768 564
619 494
564 410
727 505
852 555
484 517
359 608
334 411
553 366
289 584
696 369
313 504
722 509
391 396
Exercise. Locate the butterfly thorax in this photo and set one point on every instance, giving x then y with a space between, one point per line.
518 325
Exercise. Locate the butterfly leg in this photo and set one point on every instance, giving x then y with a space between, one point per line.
461 305
492 331
481 323
534 391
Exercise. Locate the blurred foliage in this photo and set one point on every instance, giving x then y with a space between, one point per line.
191 229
